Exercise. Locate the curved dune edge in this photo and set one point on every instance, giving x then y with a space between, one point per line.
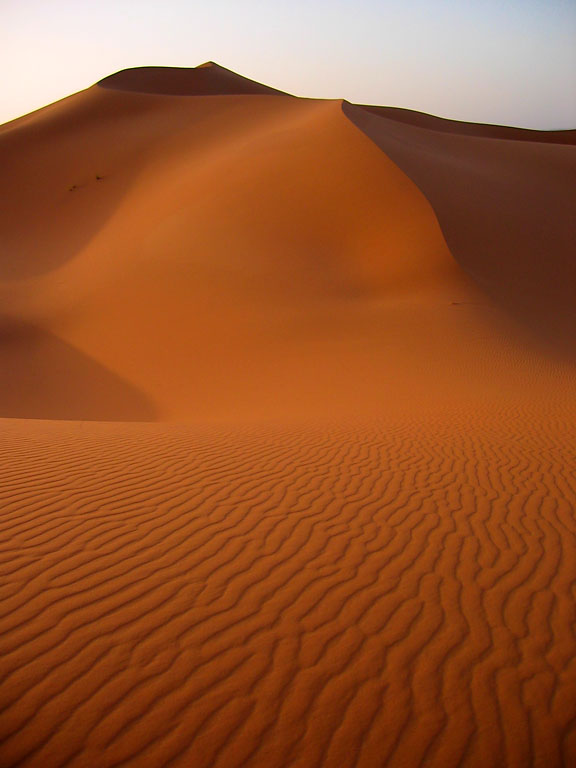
460 127
398 593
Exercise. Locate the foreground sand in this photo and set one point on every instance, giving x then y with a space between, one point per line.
393 593
288 397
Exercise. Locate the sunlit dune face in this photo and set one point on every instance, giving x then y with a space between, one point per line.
267 236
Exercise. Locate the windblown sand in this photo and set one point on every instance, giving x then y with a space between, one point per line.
288 434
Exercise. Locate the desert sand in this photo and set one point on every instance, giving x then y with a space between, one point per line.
287 403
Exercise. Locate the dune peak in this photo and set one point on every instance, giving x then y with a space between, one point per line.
207 79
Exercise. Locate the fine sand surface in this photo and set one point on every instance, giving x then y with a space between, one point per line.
397 593
287 391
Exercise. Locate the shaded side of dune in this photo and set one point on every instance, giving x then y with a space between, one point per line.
444 125
506 209
206 80
43 377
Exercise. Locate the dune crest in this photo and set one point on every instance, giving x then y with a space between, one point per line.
460 127
206 79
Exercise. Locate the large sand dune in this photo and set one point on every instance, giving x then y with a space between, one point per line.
349 538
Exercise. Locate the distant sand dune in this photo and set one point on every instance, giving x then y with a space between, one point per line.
208 78
350 539
506 209
431 122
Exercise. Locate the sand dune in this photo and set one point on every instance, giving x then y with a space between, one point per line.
432 122
248 258
262 253
349 538
506 210
208 78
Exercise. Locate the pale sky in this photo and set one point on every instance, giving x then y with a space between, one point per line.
510 62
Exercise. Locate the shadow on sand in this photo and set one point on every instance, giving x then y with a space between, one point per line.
42 377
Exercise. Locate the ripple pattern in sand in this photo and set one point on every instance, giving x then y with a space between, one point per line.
385 595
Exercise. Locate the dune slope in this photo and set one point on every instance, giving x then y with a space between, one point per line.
432 122
506 208
267 237
226 257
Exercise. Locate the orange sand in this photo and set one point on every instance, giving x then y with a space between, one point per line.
349 538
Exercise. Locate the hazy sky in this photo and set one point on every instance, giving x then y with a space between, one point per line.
502 61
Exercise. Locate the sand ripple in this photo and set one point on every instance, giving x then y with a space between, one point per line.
397 594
